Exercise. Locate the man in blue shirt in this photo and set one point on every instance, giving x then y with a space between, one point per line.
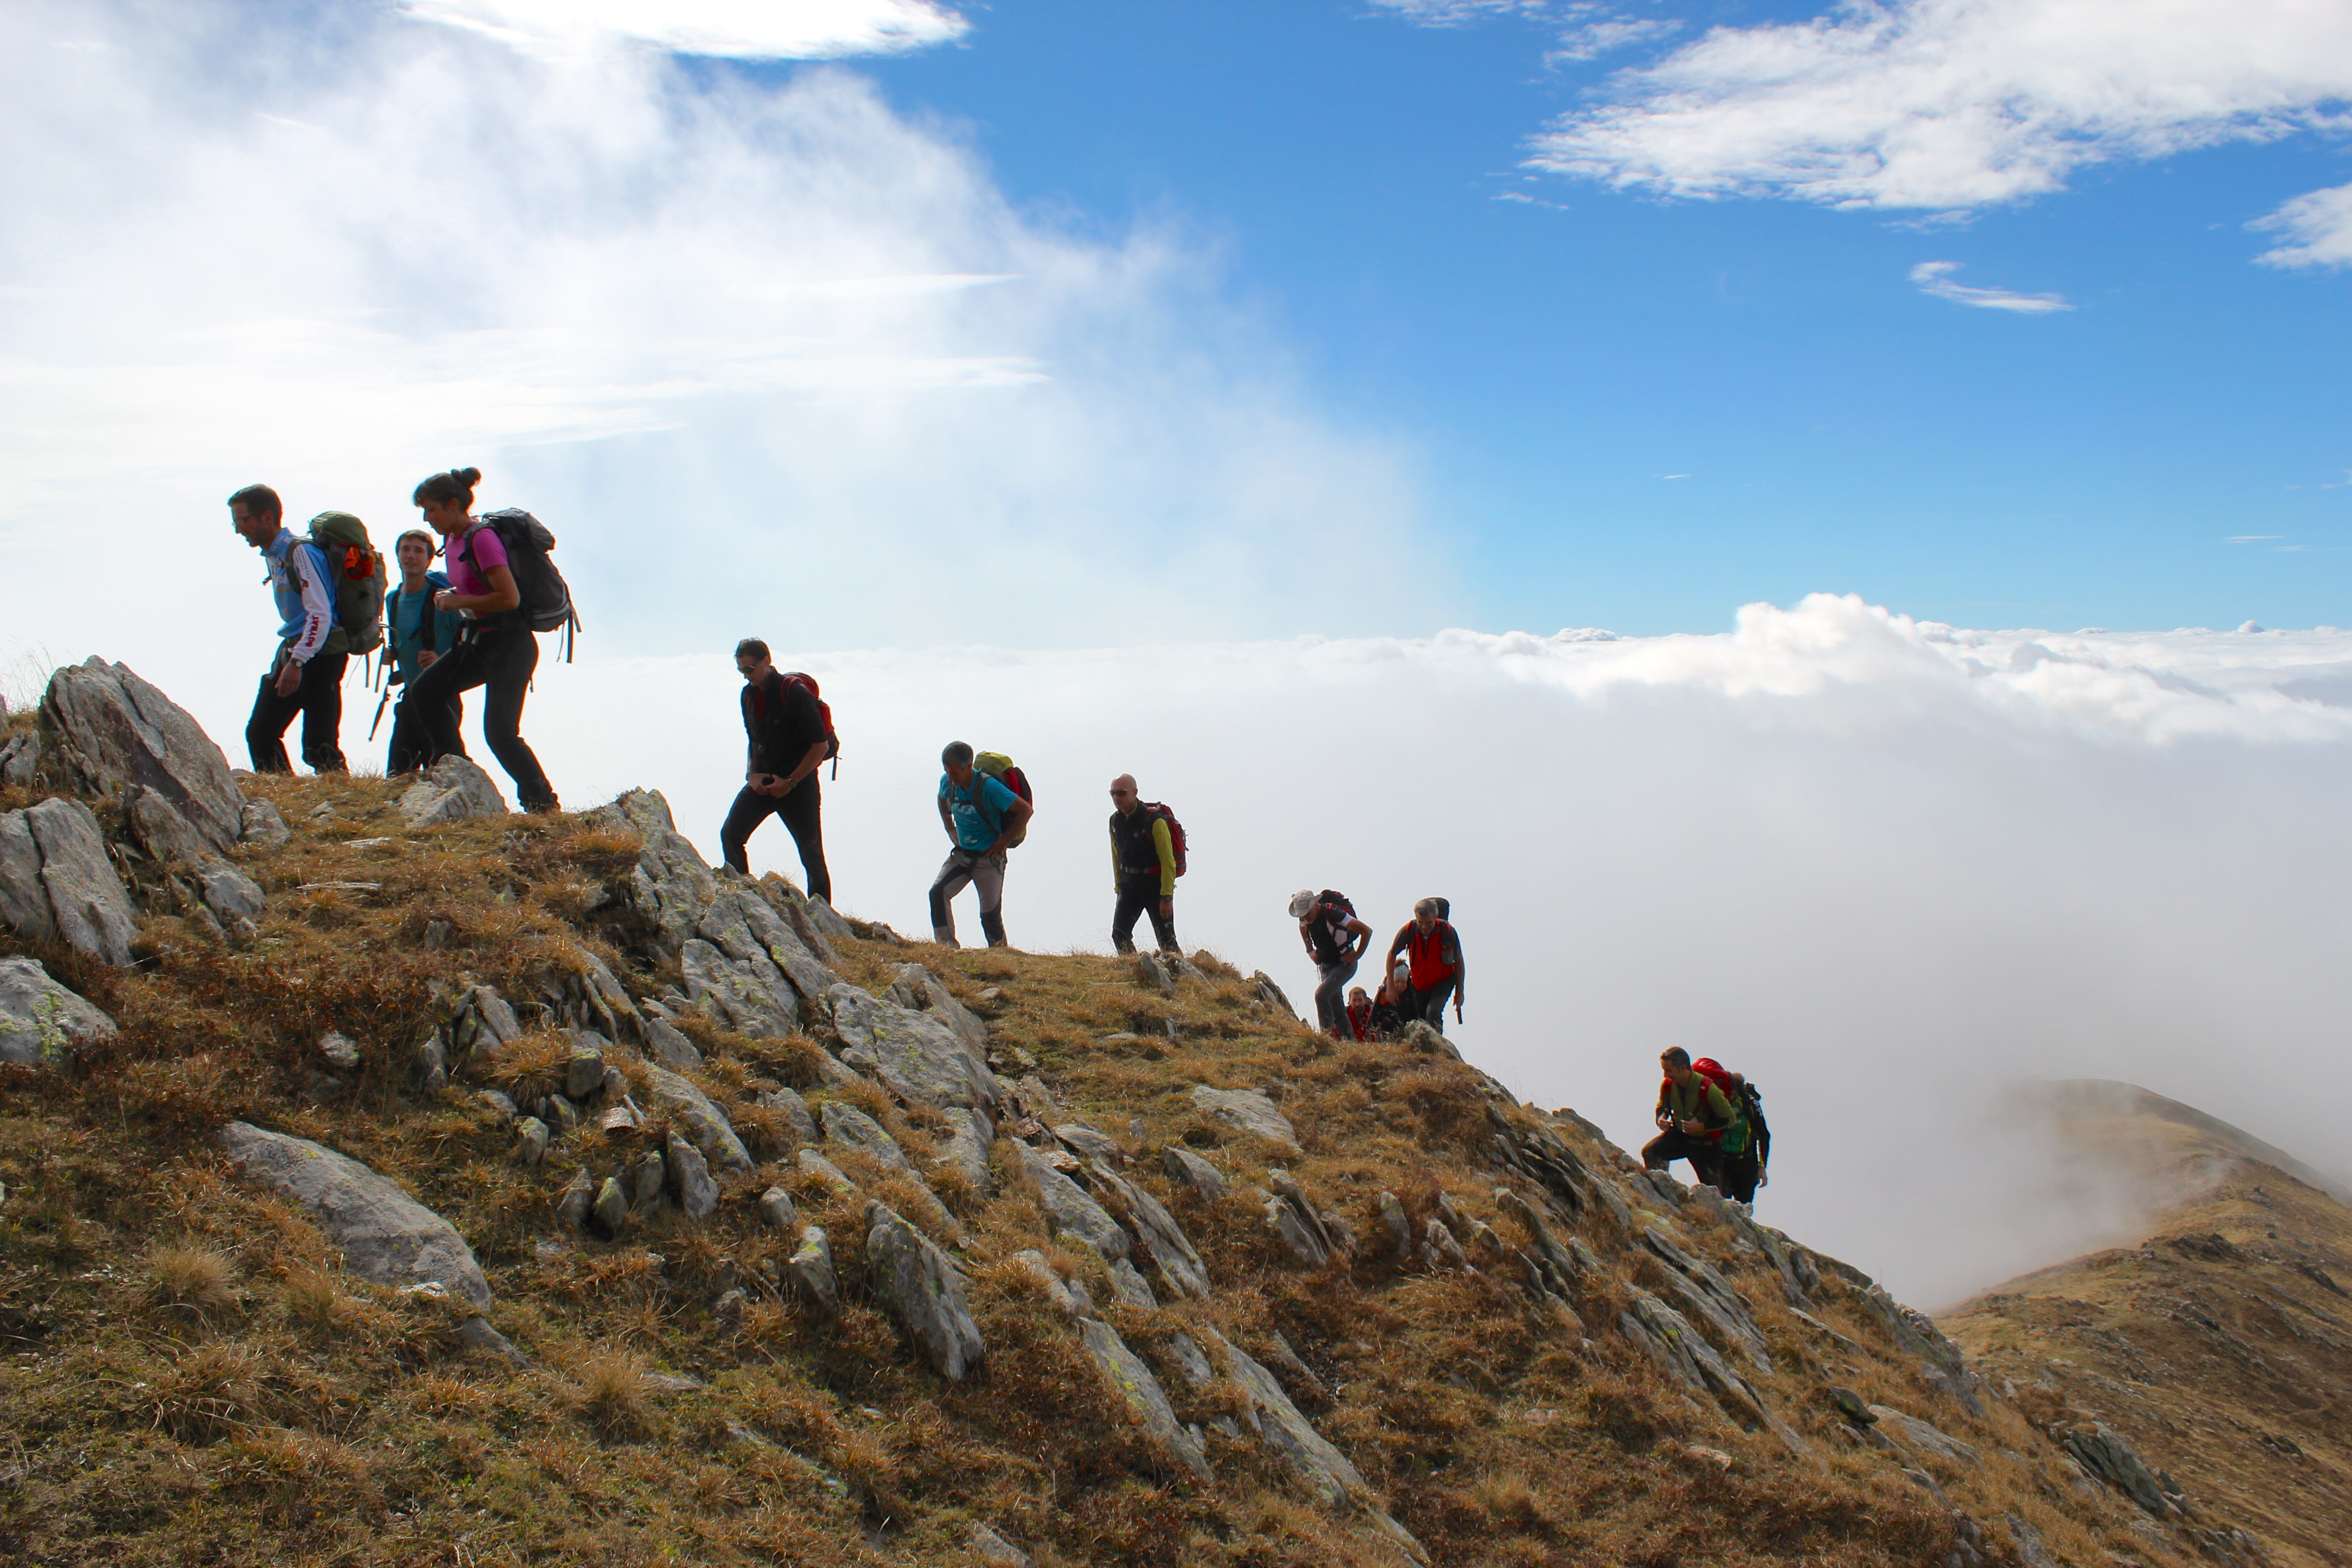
307 675
415 636
979 812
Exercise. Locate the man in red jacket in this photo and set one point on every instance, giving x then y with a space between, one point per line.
1433 951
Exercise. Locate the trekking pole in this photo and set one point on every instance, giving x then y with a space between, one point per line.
378 712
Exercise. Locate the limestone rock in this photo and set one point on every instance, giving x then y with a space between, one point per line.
235 898
453 789
579 1197
20 760
705 1124
745 927
810 1269
917 1057
1151 973
918 990
994 1551
1125 1375
1128 1283
1032 1262
57 884
833 927
110 730
853 1129
385 1236
669 1045
1162 1239
1396 1226
967 1148
158 828
263 825
1921 1438
596 1000
812 1163
648 1186
689 1175
1271 994
1089 1144
1070 1213
340 1052
612 1205
670 886
585 1074
776 1208
1246 1110
2107 1456
531 1145
923 1292
1182 1165
749 995
481 1021
795 1111
1418 1037
40 1020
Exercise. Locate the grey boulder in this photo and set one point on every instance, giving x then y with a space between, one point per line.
853 1129
1246 1110
385 1236
749 995
744 926
917 989
670 886
924 1292
967 1148
1070 1213
453 789
111 730
1131 1382
705 1124
263 825
57 884
1208 1184
917 1057
40 1020
689 1175
1162 1239
810 1269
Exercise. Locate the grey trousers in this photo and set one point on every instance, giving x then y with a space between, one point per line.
965 870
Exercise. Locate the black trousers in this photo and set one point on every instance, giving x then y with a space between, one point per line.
500 658
1705 1159
319 700
1735 1175
804 816
1138 894
412 738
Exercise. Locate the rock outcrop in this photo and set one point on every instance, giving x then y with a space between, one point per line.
453 789
924 1293
385 1236
40 1020
108 729
57 884
915 1055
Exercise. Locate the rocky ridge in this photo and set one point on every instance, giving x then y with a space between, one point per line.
1038 1259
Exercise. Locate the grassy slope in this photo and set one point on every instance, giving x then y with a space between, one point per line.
187 1378
2221 1347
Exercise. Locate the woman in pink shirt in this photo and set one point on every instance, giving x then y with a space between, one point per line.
495 650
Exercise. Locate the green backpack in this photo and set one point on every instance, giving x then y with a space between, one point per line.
358 580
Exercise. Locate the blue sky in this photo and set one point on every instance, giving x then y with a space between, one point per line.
1547 361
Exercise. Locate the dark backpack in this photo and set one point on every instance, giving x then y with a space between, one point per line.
546 604
1175 829
355 578
1444 910
1327 950
824 712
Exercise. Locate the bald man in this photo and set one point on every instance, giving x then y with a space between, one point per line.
1142 866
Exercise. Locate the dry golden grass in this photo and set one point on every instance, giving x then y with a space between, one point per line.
611 1394
195 1280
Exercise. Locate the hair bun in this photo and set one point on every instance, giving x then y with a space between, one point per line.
471 476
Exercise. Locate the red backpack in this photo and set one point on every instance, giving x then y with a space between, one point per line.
824 712
1716 1073
1175 828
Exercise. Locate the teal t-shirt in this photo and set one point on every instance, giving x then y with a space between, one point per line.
977 821
403 616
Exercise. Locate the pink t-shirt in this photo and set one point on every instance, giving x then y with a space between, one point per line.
475 554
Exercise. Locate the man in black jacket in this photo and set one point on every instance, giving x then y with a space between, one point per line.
789 743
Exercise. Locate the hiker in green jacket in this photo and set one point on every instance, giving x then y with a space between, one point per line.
1693 1115
1142 868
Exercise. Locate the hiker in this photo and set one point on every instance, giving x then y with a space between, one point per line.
306 675
1747 1146
1337 941
1433 951
1142 868
1389 1016
790 740
1693 1115
982 814
1359 1013
415 636
496 648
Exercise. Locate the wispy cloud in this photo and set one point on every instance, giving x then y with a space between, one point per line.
740 29
1958 103
2252 538
1935 277
2317 229
1587 28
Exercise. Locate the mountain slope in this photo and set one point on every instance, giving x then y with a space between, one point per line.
454 1187
2220 1347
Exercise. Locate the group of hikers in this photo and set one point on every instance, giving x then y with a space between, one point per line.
441 633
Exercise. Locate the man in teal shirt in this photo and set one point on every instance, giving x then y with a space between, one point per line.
980 814
417 636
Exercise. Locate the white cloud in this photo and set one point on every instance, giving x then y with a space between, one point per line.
1957 103
1935 277
672 312
740 30
1462 12
2317 227
1593 40
1587 29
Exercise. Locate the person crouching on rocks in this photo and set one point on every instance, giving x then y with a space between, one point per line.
1691 1116
1389 1016
496 650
